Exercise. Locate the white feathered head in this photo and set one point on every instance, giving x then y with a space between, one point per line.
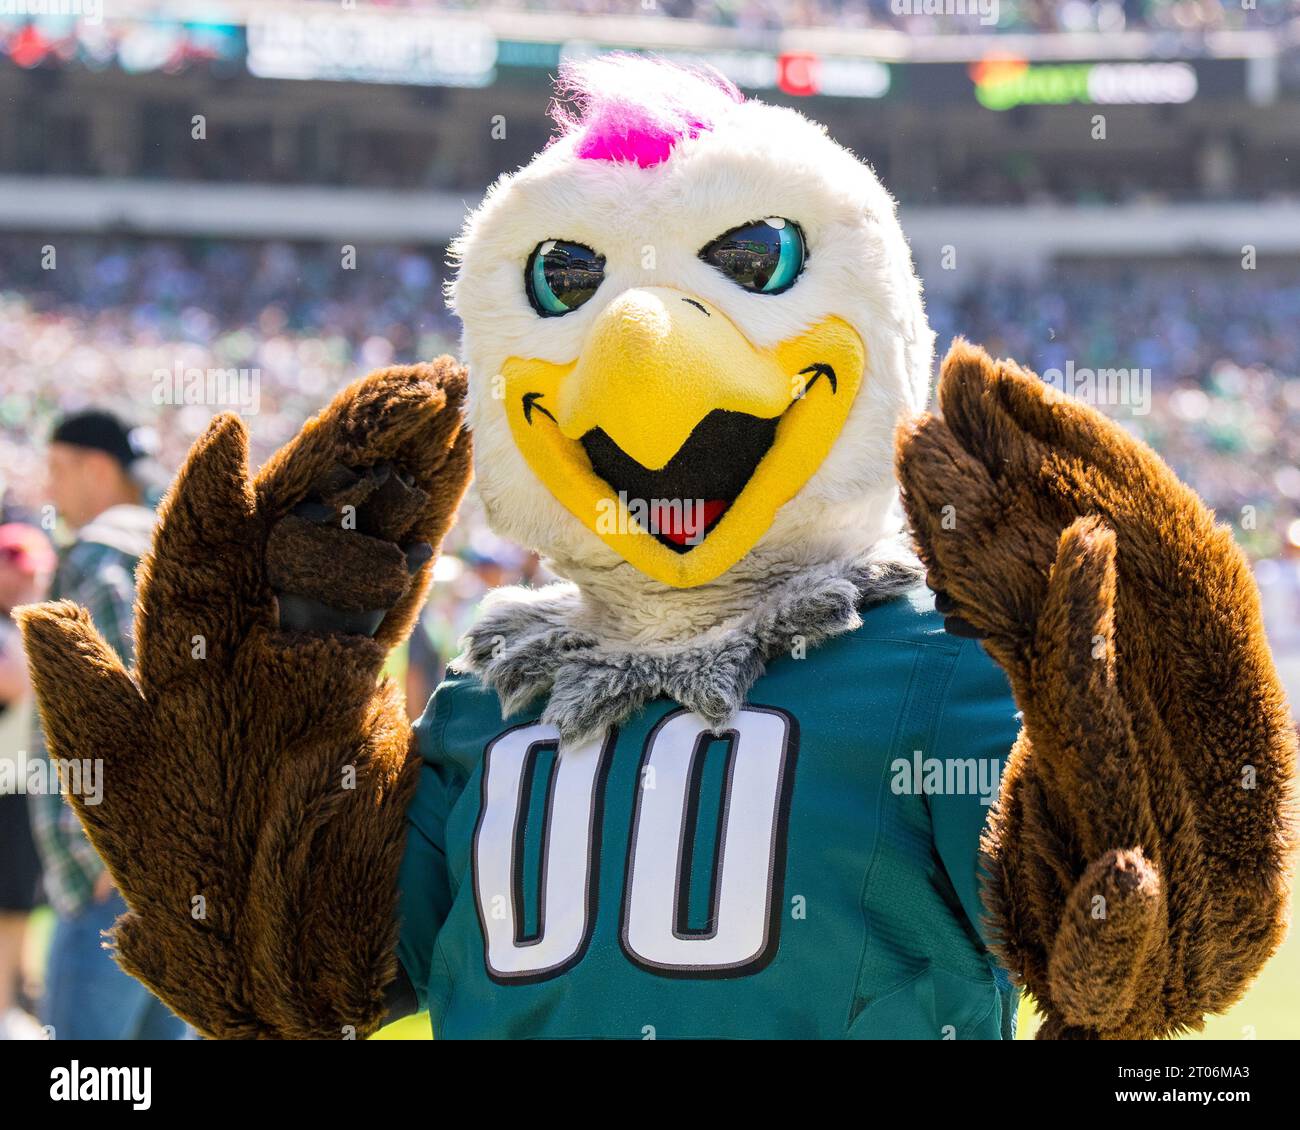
691 324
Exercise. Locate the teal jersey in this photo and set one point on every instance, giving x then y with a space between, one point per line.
809 871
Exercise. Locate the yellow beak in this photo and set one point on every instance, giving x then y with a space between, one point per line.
657 362
669 398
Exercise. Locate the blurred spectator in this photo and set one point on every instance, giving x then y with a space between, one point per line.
474 562
26 562
87 995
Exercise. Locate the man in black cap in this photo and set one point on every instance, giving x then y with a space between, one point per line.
92 457
90 460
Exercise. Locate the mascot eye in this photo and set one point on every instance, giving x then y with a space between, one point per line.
766 256
561 276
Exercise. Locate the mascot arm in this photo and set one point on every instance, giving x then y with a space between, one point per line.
256 768
1138 859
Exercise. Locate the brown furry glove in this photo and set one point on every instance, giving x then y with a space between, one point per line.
1139 855
256 779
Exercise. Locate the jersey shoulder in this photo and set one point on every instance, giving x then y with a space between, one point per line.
967 680
462 716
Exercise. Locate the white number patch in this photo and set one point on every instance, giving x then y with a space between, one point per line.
568 890
741 922
743 925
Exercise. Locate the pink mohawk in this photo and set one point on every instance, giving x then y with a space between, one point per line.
634 108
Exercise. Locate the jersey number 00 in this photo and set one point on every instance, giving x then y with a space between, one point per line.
743 922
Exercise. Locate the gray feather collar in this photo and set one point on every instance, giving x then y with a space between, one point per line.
525 645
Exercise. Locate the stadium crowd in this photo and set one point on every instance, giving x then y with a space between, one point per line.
1218 349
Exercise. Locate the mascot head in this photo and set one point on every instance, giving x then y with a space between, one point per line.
691 324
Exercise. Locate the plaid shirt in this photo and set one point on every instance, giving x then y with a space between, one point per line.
102 580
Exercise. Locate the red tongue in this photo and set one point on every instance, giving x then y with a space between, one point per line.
681 524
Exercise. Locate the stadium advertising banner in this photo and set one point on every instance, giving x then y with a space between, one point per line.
371 47
798 73
433 50
133 46
1002 83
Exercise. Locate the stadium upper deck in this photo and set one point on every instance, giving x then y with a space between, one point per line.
914 17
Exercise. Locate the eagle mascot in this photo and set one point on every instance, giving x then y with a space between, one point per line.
844 719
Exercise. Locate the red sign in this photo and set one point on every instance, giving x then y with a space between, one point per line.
799 73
